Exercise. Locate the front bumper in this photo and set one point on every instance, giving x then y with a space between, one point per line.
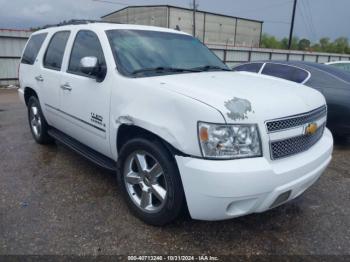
219 189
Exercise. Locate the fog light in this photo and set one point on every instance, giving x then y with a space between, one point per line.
281 199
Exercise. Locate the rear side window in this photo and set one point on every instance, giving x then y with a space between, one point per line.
32 48
290 73
86 44
55 51
253 67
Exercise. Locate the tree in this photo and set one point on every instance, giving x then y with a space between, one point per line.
326 45
341 45
268 41
316 47
295 41
284 43
304 44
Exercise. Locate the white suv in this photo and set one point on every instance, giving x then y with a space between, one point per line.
181 130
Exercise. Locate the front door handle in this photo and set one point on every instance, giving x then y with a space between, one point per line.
66 86
39 78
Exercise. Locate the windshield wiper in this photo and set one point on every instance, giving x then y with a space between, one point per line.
210 67
162 69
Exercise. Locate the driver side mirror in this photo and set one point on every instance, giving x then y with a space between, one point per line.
89 65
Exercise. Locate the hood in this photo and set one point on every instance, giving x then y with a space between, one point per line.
243 97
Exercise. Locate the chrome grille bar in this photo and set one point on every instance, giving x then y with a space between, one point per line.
297 120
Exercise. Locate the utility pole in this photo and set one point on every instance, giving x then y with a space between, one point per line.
194 18
292 25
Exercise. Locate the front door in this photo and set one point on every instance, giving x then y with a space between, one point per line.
84 100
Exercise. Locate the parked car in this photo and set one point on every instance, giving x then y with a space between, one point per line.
178 127
332 82
345 65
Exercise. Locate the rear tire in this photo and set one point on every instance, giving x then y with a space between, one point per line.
37 122
150 181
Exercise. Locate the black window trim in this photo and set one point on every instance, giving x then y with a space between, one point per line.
47 48
70 56
274 63
33 35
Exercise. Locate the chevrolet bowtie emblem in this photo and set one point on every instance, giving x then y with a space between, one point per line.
311 129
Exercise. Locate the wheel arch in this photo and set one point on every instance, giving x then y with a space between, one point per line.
127 132
28 92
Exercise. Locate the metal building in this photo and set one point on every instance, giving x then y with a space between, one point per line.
11 46
215 30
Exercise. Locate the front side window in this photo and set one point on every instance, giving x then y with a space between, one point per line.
146 53
86 44
290 73
55 51
32 49
252 67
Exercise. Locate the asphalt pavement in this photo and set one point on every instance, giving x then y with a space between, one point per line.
53 201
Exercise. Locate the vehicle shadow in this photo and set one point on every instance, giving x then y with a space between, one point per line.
268 230
342 143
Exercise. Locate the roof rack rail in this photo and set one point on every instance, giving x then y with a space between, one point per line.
78 22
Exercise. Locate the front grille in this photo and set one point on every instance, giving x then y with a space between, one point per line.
295 145
298 120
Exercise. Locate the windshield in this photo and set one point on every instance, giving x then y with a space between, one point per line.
140 53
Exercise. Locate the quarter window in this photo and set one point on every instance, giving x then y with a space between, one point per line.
86 44
290 73
55 51
33 48
252 67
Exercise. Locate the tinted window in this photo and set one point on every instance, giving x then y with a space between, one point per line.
253 67
54 53
32 48
290 73
86 44
137 50
344 66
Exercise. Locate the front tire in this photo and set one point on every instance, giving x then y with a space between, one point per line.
150 181
37 122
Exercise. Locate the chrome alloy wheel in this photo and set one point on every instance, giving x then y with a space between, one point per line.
145 182
35 120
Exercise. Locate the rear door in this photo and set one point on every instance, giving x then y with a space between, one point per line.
50 75
29 68
85 101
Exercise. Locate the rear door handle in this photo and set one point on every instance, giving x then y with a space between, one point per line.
66 86
39 78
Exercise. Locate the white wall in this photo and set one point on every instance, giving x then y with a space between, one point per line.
155 16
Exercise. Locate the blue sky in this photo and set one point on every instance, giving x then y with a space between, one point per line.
315 18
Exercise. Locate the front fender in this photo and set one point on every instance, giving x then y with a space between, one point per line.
169 115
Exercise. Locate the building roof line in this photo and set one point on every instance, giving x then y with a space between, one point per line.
183 8
15 30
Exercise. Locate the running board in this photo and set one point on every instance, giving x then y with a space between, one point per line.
83 150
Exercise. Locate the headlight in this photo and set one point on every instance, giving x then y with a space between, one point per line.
229 141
